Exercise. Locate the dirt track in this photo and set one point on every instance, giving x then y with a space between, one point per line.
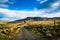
24 34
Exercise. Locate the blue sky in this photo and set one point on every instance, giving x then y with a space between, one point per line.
11 10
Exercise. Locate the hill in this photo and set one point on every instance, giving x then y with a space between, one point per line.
33 24
36 19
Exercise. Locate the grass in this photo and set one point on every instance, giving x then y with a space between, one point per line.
4 38
8 32
44 29
45 32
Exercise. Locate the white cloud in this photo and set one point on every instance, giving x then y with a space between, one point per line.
3 5
15 15
8 19
57 14
11 2
3 1
56 4
42 1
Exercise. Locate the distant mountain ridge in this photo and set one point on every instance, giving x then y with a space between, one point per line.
36 19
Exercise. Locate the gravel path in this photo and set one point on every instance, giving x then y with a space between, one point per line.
26 35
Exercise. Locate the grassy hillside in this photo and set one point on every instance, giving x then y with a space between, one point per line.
47 30
43 28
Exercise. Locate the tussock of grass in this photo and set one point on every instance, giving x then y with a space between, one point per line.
45 32
8 32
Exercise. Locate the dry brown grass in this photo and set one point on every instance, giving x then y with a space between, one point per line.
31 22
43 22
14 28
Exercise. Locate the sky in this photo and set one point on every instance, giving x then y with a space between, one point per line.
11 10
